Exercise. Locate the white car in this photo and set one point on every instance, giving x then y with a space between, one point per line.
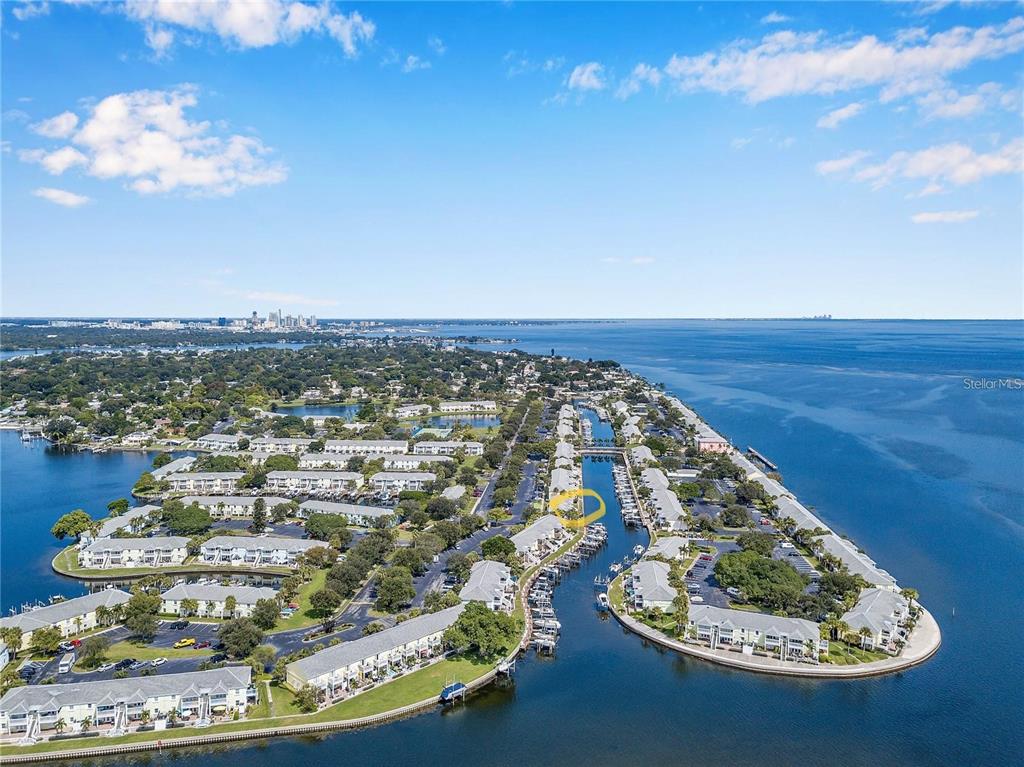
159 661
105 667
697 600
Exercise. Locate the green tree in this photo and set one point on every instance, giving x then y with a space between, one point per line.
11 636
162 459
261 658
438 600
307 699
46 641
189 606
239 636
230 604
118 506
60 430
498 548
760 543
281 463
259 516
140 614
324 602
768 582
265 613
394 590
736 516
481 631
93 651
74 523
323 527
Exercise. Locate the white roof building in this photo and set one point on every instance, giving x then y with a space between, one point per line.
158 551
433 447
260 551
355 514
71 616
650 585
366 446
491 583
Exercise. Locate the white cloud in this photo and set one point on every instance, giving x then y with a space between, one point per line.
55 162
249 23
518 63
775 18
837 116
61 126
159 40
145 138
949 103
642 74
740 143
61 197
787 63
29 9
437 45
414 63
587 77
953 163
641 260
944 217
294 299
841 164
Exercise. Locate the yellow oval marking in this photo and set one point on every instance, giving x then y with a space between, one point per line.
568 495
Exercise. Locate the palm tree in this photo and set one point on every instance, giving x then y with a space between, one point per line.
189 606
865 633
103 615
86 724
144 716
60 726
230 603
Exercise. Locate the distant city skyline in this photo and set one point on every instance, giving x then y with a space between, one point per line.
535 161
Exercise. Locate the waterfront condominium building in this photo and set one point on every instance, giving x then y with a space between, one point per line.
431 447
648 585
310 481
411 411
397 481
365 446
211 599
116 706
407 462
218 442
491 583
280 444
71 616
792 638
883 612
245 551
355 514
132 521
108 553
350 666
539 538
225 506
474 406
205 481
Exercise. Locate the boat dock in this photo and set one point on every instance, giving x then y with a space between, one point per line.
760 458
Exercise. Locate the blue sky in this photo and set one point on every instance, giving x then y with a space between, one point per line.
522 160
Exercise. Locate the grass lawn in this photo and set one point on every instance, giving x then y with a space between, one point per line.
302 617
412 688
616 595
66 563
841 654
128 649
283 703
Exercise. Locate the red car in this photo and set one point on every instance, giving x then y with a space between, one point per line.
202 645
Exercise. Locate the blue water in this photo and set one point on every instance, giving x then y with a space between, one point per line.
476 421
871 423
38 483
344 412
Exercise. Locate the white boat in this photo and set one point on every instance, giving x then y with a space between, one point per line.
615 567
602 601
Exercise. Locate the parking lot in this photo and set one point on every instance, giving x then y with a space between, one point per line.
166 636
700 579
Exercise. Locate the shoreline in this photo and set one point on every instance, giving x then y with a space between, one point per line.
930 639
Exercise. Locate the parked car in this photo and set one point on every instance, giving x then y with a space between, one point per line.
137 665
697 600
219 658
124 663
734 592
185 642
202 645
179 625
106 667
159 661
65 647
